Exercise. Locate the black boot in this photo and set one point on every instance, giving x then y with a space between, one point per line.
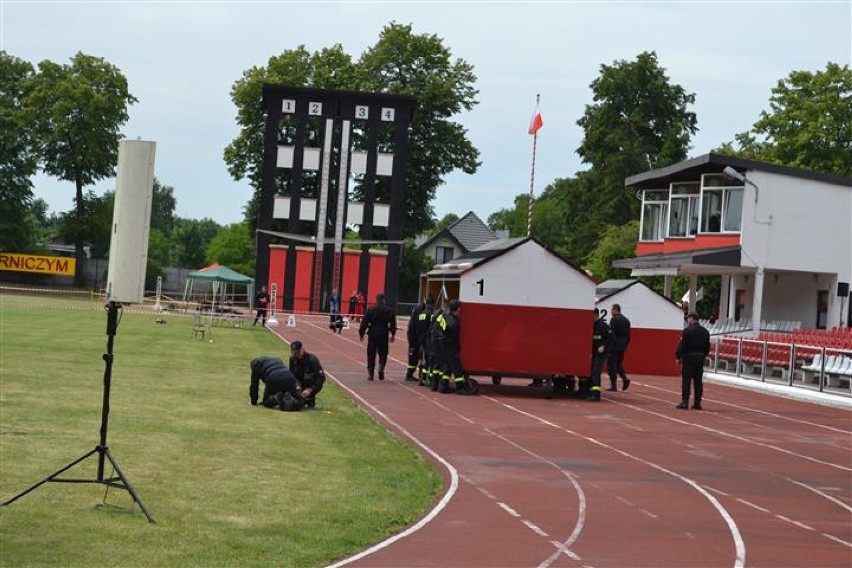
381 373
369 374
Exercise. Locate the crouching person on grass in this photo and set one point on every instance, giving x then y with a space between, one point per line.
307 369
280 387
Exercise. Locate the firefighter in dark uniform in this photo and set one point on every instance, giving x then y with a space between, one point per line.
693 348
281 389
260 302
434 357
450 327
424 319
620 328
379 324
413 345
307 369
600 351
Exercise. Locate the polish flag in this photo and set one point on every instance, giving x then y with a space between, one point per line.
536 123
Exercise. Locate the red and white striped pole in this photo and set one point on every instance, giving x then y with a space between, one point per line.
535 124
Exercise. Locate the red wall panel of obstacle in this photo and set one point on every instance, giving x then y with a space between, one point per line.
522 340
652 352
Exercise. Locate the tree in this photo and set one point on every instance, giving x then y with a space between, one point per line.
548 219
190 238
77 111
162 207
639 121
617 241
233 246
414 263
400 63
91 223
809 124
18 159
443 223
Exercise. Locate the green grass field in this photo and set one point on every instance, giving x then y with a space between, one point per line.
229 484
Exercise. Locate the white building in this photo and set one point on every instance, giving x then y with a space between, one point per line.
780 238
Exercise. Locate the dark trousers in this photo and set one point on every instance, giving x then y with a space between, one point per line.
261 314
413 355
597 369
377 346
272 384
692 372
615 366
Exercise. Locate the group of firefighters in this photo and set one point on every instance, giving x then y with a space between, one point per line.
434 349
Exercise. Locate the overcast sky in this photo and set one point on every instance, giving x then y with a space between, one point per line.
729 53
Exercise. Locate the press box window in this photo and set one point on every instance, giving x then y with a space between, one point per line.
721 204
683 209
655 205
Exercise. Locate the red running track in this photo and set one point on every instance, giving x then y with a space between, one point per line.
753 480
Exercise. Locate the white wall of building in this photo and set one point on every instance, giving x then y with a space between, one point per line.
645 308
810 229
432 250
528 275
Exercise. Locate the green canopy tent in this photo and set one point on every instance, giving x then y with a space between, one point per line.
219 277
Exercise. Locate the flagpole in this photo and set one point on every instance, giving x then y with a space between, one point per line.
532 177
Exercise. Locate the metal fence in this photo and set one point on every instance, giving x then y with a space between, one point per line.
815 367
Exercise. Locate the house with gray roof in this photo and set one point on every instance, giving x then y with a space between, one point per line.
466 234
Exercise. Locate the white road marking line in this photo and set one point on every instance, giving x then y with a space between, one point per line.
719 491
838 540
739 543
442 504
649 513
508 509
534 528
752 505
820 493
757 411
797 523
567 553
734 436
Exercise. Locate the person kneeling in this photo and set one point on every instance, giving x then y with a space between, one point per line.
280 390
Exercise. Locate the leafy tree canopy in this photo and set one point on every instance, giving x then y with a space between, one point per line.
77 110
809 124
639 121
18 159
401 63
233 246
443 223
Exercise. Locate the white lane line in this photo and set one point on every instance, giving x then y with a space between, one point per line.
581 496
734 436
508 509
649 513
739 543
757 411
562 548
791 521
820 493
837 540
442 504
719 491
752 505
535 528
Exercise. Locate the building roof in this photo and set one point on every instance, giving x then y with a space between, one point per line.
610 288
489 251
469 232
689 170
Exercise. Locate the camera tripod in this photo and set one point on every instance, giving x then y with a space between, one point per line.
102 450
